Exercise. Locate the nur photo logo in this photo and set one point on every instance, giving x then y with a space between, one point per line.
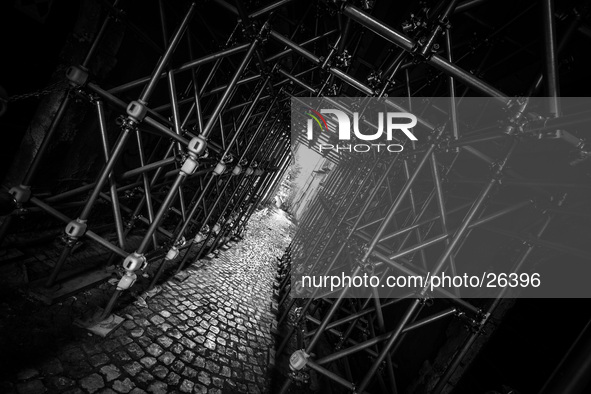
390 127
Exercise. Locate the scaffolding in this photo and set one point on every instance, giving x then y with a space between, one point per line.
208 158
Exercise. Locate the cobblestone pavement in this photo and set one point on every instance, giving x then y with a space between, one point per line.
209 334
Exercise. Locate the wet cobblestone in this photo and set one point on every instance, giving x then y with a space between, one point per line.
209 334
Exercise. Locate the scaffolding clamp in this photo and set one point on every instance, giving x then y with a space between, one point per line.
199 237
135 261
220 168
20 193
237 170
298 360
197 146
137 110
76 228
190 165
172 253
127 280
77 75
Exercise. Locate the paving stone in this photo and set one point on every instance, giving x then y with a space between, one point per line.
135 351
186 386
177 348
236 374
158 388
214 329
166 358
189 372
173 379
142 322
91 348
111 372
174 333
160 371
177 366
188 343
226 372
92 383
164 341
157 319
204 378
123 386
217 381
187 356
98 359
212 367
199 362
165 313
61 382
144 377
121 356
137 332
144 341
132 368
209 344
155 350
148 361
124 340
137 391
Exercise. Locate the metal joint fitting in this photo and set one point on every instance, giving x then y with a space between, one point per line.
197 146
237 170
172 253
219 168
199 237
249 171
298 360
126 281
77 75
76 228
20 193
137 110
258 172
135 261
190 165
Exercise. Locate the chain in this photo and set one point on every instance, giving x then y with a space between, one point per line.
54 87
